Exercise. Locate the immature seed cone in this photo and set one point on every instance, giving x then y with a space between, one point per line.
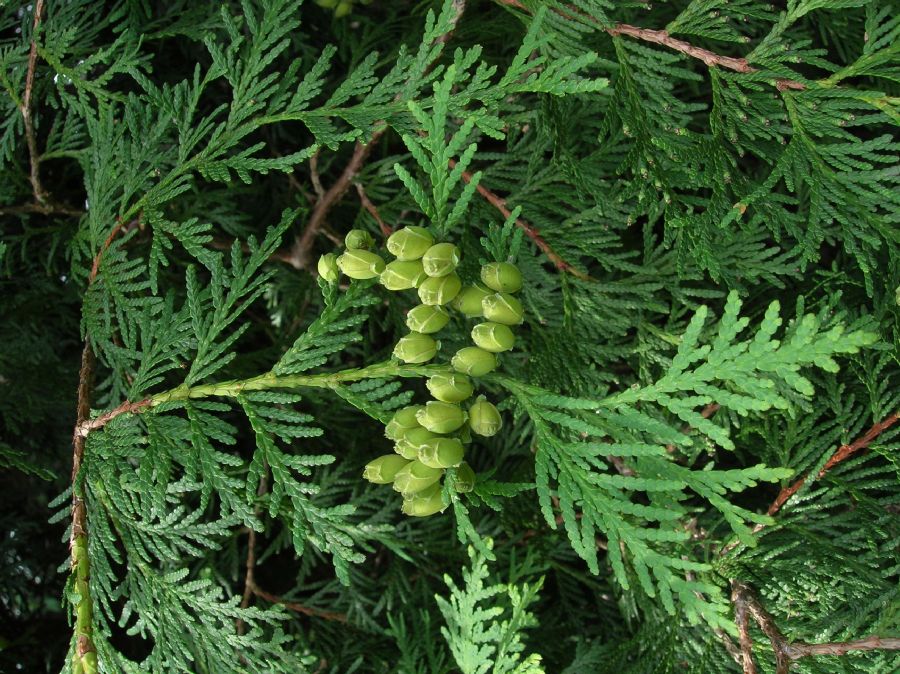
468 301
415 348
502 308
360 264
426 502
450 388
427 319
416 476
484 418
493 337
502 277
409 243
473 361
439 289
440 417
440 259
409 443
358 239
403 420
441 452
328 268
383 469
402 274
465 478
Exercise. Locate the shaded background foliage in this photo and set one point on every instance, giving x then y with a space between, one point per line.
669 188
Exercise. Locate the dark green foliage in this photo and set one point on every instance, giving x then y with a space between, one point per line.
711 290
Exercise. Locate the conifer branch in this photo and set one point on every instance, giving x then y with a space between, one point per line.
78 544
746 604
662 37
301 251
264 382
530 230
843 452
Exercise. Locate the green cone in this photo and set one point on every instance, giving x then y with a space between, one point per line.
427 319
441 452
409 243
502 308
502 277
416 476
383 469
415 348
440 417
439 289
440 259
493 337
473 361
450 388
360 264
484 418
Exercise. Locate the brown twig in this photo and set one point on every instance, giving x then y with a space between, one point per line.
49 208
843 452
314 176
40 194
300 253
662 37
747 604
373 211
299 608
530 230
86 426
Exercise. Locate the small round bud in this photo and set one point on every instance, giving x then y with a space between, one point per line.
409 243
502 308
415 348
383 469
439 289
409 443
360 264
441 452
440 259
402 274
502 277
468 301
493 337
484 418
465 478
424 503
416 476
473 361
427 319
358 239
450 388
328 268
440 417
403 420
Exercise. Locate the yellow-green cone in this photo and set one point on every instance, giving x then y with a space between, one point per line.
441 259
502 277
383 469
450 388
502 308
360 264
439 289
468 300
358 239
415 348
484 418
465 478
409 443
427 319
441 452
409 243
403 420
493 337
473 361
440 417
425 503
402 274
328 268
416 476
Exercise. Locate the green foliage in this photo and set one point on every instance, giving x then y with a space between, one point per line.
483 635
706 225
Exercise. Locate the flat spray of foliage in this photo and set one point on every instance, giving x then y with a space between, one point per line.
698 466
